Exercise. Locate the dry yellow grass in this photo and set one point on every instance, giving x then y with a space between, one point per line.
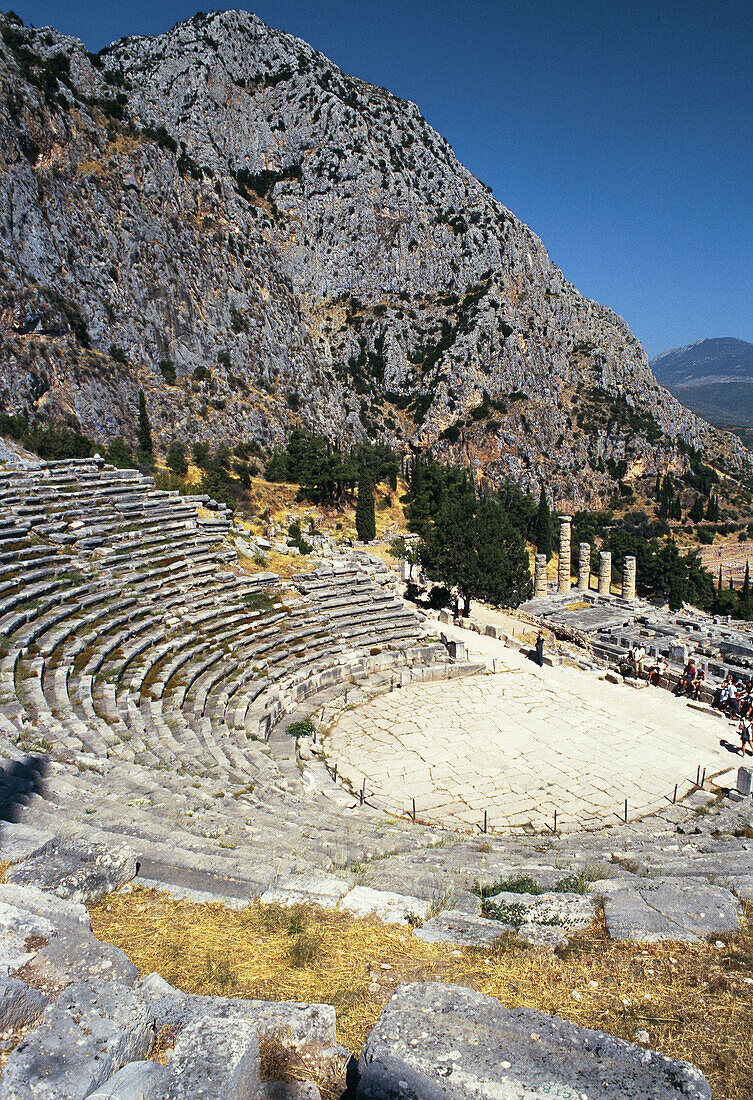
694 1000
4 865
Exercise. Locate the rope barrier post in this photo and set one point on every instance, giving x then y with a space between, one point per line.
485 821
334 775
414 811
698 776
703 777
554 830
626 811
674 796
363 791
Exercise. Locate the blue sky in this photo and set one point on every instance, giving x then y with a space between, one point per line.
621 133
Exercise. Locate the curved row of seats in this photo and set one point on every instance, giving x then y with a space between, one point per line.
152 671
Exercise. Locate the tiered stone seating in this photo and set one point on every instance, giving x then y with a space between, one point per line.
154 676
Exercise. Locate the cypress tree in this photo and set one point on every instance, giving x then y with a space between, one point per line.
720 578
745 595
365 516
544 527
146 449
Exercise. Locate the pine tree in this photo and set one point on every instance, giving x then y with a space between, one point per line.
145 450
544 527
657 488
365 516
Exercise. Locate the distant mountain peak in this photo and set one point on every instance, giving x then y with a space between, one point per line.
713 376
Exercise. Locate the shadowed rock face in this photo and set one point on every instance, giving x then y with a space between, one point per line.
223 197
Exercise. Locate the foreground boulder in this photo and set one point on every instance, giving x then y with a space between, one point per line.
445 1042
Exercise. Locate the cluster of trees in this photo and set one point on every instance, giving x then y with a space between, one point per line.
669 498
326 473
471 542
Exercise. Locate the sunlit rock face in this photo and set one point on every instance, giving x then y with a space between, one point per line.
220 216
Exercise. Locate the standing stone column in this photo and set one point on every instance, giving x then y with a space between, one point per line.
539 577
605 573
563 569
584 567
628 579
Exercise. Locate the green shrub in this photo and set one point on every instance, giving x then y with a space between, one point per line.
304 728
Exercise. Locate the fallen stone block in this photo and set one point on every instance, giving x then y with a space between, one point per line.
564 910
324 890
135 1081
85 1036
20 1006
76 870
214 1059
670 909
362 901
455 927
302 1023
437 1041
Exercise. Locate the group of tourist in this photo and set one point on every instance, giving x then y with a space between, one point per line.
733 697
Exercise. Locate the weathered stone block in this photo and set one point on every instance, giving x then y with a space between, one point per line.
304 1023
453 926
135 1081
76 870
19 1005
670 909
745 780
324 890
444 1042
214 1059
362 901
88 1034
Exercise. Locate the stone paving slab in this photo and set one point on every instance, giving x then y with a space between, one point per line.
523 742
670 909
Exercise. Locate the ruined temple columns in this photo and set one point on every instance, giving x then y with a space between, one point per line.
584 567
605 572
628 578
563 567
539 577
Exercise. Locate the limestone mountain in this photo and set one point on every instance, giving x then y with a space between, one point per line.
222 217
712 377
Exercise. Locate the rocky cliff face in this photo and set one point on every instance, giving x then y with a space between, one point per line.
221 216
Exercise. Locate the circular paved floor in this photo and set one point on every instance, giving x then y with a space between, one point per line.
522 742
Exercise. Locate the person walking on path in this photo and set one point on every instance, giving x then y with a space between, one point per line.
744 730
540 650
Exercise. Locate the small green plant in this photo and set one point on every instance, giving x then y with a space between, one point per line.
513 913
304 728
521 884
